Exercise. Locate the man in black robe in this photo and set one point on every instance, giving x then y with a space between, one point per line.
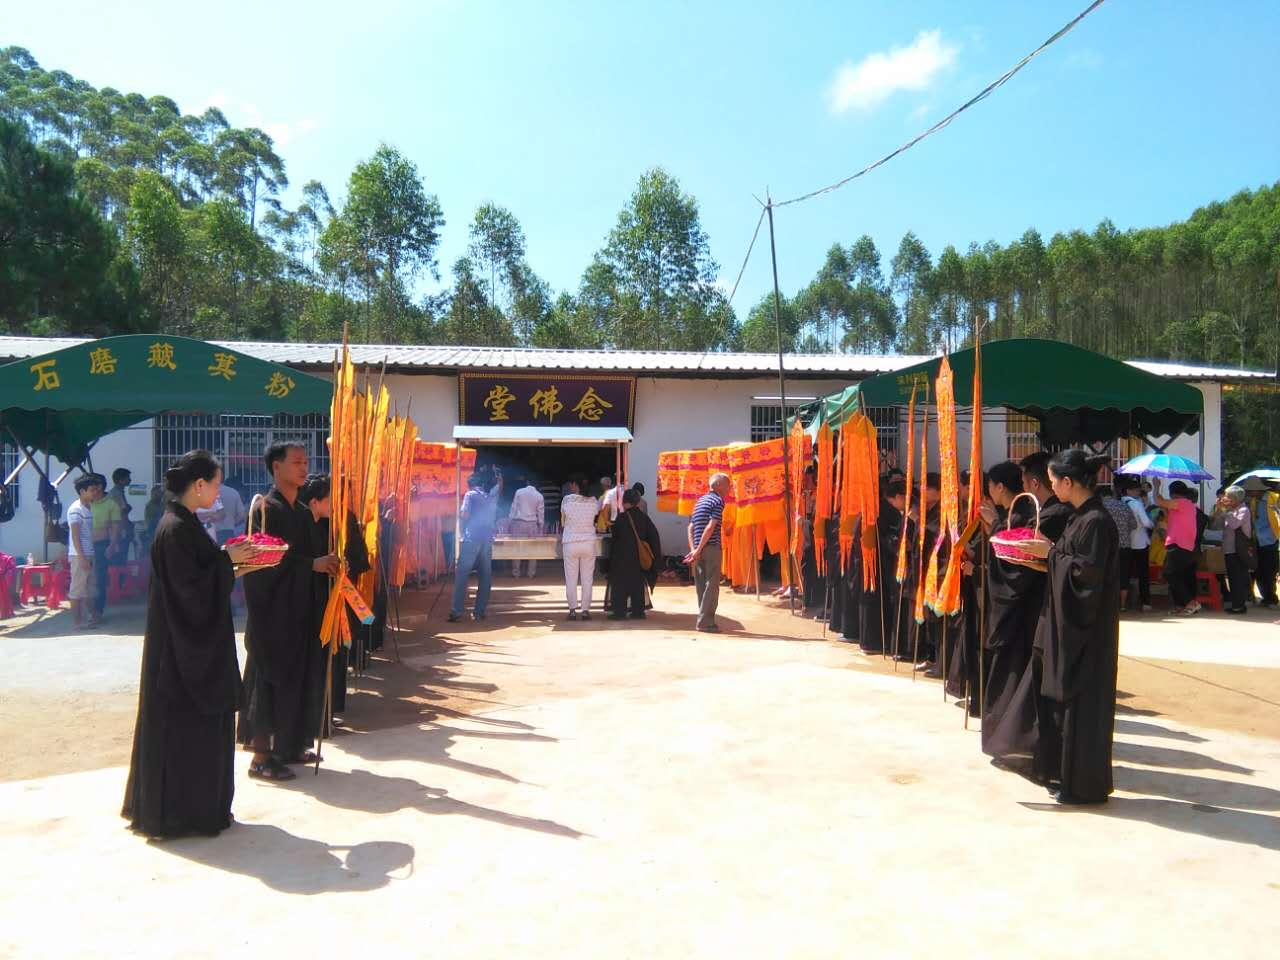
283 647
627 576
1078 640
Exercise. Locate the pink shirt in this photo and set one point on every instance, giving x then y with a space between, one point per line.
1182 525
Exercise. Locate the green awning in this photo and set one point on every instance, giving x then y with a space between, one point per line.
1078 395
62 402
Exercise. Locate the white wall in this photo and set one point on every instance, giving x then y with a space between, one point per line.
130 448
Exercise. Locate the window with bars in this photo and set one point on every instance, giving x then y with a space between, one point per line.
10 457
886 422
1022 438
767 419
239 440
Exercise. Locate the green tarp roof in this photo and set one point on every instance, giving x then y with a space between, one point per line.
1077 394
62 402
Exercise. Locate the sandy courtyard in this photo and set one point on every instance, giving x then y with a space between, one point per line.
533 787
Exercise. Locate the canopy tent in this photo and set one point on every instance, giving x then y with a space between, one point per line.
61 403
1076 394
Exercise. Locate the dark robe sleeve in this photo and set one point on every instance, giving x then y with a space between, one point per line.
357 553
193 595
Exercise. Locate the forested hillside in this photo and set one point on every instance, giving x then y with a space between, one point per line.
118 212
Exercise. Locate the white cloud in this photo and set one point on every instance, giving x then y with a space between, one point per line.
251 115
872 80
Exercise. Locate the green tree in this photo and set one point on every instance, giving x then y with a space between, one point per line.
57 258
760 329
385 235
156 237
658 261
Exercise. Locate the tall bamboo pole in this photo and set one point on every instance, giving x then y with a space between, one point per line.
782 397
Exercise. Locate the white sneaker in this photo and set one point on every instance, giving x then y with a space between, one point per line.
1147 608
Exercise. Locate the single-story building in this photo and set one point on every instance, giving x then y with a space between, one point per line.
666 400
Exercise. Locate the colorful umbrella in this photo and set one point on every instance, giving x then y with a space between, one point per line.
1165 465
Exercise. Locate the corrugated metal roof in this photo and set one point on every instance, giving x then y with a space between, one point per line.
447 359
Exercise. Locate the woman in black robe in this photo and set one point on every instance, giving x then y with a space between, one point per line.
1078 638
1015 594
627 578
181 775
315 496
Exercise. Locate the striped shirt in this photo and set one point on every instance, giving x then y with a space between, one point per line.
710 507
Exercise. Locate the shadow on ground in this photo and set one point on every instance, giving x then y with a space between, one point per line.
295 864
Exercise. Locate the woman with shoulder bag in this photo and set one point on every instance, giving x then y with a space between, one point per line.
633 559
1238 547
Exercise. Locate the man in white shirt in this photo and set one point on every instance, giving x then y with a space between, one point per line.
1129 489
527 512
80 548
611 497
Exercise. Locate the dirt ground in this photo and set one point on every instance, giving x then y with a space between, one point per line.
73 695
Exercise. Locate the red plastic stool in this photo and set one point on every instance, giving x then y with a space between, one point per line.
59 586
1208 591
34 582
124 581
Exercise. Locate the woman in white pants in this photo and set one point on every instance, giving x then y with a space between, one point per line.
578 546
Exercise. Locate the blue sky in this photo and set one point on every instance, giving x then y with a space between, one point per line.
1147 110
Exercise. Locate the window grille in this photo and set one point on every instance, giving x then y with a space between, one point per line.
10 457
886 422
239 440
767 419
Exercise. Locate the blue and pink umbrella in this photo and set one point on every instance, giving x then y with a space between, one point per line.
1167 465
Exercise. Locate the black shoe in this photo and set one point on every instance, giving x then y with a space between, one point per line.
573 615
585 616
477 616
1236 610
616 616
636 616
454 617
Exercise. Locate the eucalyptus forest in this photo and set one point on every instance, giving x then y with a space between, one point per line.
120 213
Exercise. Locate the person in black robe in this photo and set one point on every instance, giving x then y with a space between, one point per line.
627 578
284 656
181 774
1015 594
878 611
1078 638
315 496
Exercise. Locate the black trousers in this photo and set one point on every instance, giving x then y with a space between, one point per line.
1265 576
1239 582
1180 572
1140 570
627 593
